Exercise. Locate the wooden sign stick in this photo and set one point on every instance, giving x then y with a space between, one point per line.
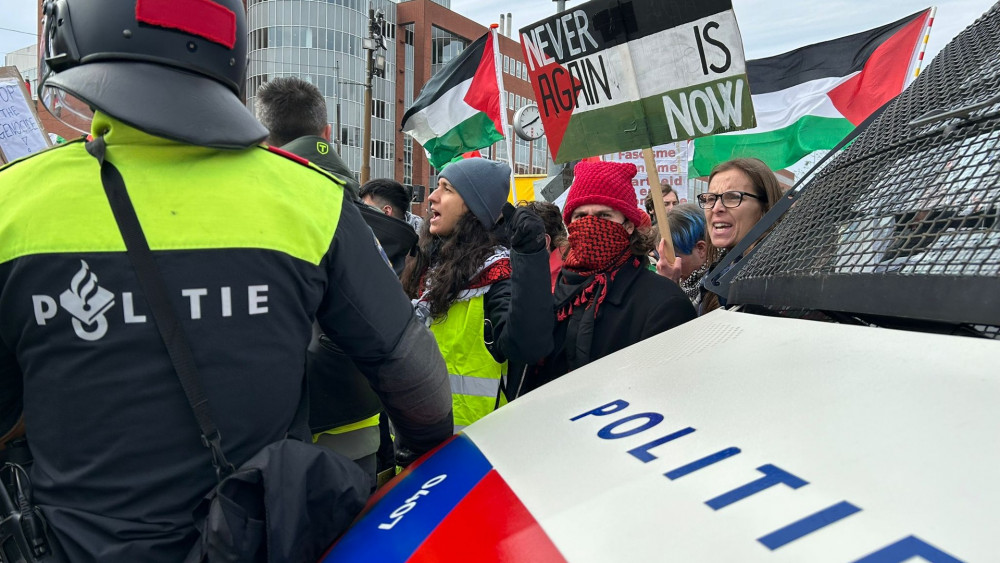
661 210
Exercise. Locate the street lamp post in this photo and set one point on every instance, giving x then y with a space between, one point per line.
336 81
373 44
339 84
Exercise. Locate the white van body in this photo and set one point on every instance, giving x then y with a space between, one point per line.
734 437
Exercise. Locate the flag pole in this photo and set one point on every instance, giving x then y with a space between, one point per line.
923 45
508 142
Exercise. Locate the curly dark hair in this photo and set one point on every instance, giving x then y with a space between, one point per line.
642 241
454 260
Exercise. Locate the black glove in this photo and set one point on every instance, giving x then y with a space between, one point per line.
526 231
405 456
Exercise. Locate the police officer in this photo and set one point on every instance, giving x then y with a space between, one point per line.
252 247
344 413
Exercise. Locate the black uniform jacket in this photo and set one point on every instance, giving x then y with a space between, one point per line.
252 248
639 304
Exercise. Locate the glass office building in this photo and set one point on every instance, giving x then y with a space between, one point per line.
320 41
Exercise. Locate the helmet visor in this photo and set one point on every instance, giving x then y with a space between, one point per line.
67 108
64 106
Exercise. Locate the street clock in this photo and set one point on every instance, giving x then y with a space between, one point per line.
528 123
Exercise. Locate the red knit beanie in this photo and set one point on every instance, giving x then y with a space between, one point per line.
605 183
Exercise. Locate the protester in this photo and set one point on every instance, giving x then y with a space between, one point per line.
690 238
251 246
486 304
387 195
670 199
606 297
384 204
555 234
740 192
294 112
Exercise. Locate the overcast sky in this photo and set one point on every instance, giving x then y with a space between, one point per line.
769 27
19 15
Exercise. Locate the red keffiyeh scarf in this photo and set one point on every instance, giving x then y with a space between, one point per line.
491 274
598 249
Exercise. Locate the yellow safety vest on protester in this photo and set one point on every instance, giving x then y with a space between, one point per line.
474 373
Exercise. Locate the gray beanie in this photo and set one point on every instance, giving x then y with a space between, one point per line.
483 184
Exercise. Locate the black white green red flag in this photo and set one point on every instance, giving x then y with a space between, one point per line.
613 75
458 110
811 98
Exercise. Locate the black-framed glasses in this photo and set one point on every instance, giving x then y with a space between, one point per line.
729 199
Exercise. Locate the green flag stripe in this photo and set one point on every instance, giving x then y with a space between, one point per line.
474 133
711 108
779 148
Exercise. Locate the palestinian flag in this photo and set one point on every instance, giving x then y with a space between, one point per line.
811 98
458 109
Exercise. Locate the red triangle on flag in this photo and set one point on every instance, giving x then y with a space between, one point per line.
883 76
484 93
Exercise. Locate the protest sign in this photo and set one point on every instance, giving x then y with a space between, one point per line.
20 131
671 168
612 75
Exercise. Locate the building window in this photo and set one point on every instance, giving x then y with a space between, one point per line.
445 46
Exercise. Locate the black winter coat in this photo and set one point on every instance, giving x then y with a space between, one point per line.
639 304
520 315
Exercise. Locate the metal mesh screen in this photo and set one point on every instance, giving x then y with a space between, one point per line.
904 222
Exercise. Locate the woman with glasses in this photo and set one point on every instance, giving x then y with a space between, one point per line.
740 192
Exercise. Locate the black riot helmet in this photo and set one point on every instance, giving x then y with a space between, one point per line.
172 68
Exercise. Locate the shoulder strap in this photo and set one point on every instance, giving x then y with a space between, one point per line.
167 323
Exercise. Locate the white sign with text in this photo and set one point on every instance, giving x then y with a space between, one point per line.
20 134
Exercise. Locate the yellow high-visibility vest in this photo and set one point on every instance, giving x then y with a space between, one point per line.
473 372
